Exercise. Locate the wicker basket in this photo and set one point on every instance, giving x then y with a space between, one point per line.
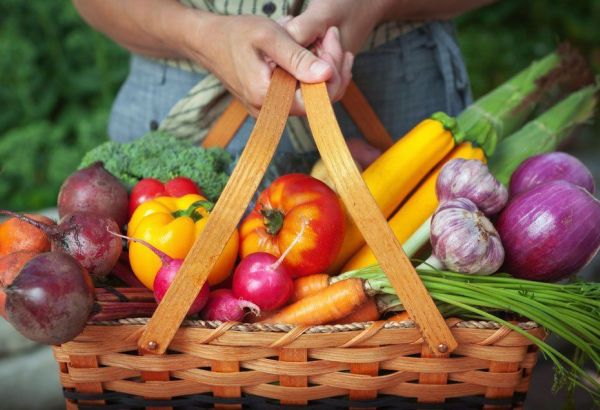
362 365
429 363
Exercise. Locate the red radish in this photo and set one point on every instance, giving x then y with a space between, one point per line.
262 279
84 236
166 274
222 305
93 189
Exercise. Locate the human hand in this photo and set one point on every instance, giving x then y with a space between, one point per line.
354 18
243 50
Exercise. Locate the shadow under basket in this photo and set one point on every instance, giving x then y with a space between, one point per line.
382 365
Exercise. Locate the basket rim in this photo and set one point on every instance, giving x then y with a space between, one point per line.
335 328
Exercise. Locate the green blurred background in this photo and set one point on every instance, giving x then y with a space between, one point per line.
59 78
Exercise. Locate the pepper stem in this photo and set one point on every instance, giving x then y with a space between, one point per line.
273 220
192 210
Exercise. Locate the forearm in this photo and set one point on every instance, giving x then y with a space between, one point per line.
156 28
426 9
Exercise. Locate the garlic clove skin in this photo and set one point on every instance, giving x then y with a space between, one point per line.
462 178
464 239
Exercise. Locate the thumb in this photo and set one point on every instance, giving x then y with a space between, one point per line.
305 29
298 61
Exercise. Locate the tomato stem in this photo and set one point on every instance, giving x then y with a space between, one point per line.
273 220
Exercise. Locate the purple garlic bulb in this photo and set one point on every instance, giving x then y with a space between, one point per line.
464 240
470 178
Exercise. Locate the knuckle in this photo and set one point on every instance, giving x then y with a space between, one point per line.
299 58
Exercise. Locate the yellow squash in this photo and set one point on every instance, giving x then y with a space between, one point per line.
415 211
398 171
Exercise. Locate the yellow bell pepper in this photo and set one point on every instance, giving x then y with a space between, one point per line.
172 225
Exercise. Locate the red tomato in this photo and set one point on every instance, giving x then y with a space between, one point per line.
149 188
296 206
181 186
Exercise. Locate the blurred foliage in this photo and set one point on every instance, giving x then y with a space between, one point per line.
59 78
499 40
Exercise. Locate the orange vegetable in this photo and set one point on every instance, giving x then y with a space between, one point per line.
326 306
17 235
399 317
309 285
366 312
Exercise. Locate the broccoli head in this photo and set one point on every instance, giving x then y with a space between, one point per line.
162 156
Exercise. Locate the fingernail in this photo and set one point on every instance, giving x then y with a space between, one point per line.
336 32
319 68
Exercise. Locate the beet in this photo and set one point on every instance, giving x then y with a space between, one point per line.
51 298
94 190
10 266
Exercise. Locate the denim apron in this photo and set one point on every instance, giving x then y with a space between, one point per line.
405 80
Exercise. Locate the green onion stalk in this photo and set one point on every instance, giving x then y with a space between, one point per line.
544 133
506 108
570 311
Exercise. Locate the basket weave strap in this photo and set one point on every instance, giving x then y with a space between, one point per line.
237 194
354 102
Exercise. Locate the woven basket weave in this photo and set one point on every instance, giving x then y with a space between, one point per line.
167 362
355 364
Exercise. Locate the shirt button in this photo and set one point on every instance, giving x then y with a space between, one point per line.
269 8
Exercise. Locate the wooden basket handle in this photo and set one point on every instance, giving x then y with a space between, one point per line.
370 221
244 180
354 102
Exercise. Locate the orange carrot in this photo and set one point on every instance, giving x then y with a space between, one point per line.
399 317
366 312
309 285
326 306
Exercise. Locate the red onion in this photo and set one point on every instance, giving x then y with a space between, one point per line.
471 179
549 167
550 231
464 240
